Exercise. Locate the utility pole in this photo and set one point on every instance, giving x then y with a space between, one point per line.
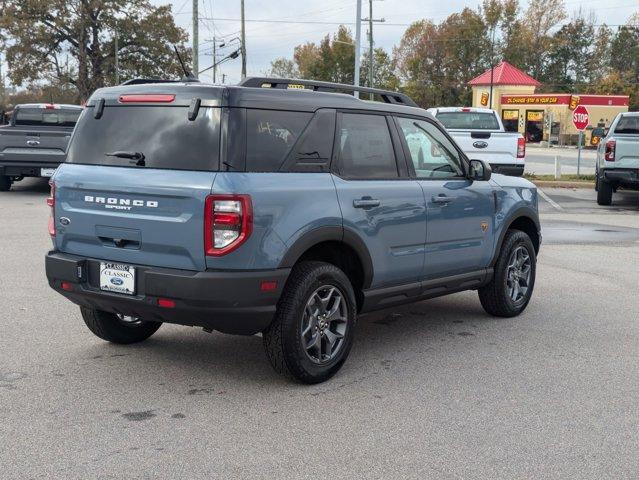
117 55
243 46
214 57
358 40
196 18
371 44
492 67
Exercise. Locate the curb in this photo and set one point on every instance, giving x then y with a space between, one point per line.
562 184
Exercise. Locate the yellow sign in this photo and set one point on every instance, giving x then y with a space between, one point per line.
484 99
538 100
574 102
295 86
535 116
510 114
594 140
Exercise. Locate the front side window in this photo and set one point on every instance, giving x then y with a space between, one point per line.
432 154
365 147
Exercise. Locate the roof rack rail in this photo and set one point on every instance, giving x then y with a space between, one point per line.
317 86
142 81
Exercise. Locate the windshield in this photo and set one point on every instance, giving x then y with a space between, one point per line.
163 136
468 120
628 125
59 117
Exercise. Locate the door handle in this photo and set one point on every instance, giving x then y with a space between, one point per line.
366 202
442 199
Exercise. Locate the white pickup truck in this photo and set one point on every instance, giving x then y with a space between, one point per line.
618 158
481 135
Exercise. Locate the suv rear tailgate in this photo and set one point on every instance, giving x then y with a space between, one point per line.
131 215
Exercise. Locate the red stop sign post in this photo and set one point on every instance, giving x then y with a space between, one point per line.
580 119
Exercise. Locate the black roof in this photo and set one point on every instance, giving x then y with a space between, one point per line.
296 99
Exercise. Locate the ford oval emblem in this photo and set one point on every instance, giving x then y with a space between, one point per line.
64 221
480 144
117 281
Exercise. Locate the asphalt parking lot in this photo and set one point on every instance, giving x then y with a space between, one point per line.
432 390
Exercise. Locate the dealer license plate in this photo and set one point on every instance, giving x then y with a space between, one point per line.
47 172
116 277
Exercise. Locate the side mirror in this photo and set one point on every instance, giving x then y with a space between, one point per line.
479 170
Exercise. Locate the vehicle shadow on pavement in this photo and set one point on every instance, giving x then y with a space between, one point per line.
29 186
200 363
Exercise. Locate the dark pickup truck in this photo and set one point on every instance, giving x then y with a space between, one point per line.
34 142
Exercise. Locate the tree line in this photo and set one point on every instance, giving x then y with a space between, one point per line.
433 62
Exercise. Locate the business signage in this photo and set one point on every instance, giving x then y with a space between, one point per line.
484 99
531 99
535 116
574 101
510 114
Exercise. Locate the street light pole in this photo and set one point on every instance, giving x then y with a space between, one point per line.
358 39
243 46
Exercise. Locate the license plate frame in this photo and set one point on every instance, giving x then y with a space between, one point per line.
117 278
47 172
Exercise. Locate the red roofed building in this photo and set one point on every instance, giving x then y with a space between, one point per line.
538 117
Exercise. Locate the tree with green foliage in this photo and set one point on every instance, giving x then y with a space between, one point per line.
73 41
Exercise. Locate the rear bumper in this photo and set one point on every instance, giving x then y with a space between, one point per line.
627 177
26 169
230 302
514 170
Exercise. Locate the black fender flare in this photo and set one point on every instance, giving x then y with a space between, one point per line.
527 212
335 234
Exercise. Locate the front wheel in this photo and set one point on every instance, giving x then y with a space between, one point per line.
312 332
511 287
116 328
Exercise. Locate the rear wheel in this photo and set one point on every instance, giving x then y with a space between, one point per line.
5 183
511 287
604 193
118 328
312 332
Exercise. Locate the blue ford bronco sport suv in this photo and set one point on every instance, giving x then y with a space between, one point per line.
277 206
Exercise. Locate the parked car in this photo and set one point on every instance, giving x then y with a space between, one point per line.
286 211
618 158
480 133
34 142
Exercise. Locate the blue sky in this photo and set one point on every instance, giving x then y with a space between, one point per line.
266 41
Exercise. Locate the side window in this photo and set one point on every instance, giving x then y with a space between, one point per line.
365 147
433 155
270 135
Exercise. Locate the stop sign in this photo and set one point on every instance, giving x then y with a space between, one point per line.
580 117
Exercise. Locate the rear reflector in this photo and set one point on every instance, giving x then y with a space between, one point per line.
66 286
147 98
268 285
166 303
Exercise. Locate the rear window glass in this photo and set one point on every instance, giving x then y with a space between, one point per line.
270 136
163 135
60 117
628 125
468 120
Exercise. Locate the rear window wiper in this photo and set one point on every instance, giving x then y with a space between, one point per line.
137 157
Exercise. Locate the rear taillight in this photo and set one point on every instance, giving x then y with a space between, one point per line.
611 146
51 204
228 222
521 147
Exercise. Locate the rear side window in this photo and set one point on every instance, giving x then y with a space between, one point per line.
365 147
164 135
270 136
60 117
628 125
468 120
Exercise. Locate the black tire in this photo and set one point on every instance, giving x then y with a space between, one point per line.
5 183
596 180
283 339
494 296
604 193
108 326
